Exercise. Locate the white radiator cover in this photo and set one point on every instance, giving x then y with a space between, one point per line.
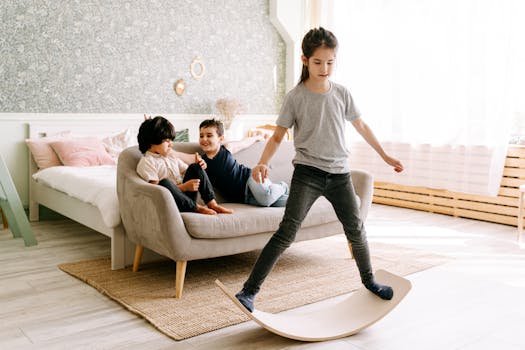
467 169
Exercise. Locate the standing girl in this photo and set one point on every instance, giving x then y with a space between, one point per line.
317 109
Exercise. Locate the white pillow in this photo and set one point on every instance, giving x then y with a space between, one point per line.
119 142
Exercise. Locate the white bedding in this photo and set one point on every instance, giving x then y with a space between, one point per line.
96 185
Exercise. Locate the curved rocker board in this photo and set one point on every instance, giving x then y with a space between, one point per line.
359 310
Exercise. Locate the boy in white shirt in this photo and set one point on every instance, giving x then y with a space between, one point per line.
161 165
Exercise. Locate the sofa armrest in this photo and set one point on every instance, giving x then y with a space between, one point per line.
364 187
157 223
148 212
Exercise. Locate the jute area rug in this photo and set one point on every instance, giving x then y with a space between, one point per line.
306 273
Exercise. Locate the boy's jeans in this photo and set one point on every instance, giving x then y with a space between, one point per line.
187 201
266 194
308 184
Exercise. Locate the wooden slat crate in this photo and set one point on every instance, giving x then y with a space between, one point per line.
502 209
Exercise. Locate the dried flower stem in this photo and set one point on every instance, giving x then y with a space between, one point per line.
228 108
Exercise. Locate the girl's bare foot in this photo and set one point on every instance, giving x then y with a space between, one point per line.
204 210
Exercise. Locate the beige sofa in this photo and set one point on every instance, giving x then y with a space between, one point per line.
151 218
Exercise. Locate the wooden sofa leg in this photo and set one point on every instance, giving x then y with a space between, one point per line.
180 274
138 256
350 248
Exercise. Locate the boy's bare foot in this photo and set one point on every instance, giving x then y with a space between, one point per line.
221 210
204 210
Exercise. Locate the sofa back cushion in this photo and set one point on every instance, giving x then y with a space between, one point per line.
280 167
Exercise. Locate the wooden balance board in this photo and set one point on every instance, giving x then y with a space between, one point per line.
359 310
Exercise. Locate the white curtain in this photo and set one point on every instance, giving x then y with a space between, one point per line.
437 81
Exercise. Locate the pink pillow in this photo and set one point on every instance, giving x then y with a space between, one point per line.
42 152
86 151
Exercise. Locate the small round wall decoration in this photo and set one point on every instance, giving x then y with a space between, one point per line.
197 68
179 87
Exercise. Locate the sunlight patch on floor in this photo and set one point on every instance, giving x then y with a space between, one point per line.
417 230
419 235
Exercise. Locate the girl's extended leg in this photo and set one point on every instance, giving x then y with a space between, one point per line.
340 192
305 188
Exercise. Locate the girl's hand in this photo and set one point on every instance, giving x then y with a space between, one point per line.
398 167
259 173
191 185
200 161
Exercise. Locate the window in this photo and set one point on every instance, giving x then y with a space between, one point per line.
436 76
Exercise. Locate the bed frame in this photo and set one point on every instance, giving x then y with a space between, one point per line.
84 213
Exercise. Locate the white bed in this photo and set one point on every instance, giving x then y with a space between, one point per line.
91 184
83 212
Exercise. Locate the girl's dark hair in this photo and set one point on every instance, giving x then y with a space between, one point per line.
214 123
153 132
313 40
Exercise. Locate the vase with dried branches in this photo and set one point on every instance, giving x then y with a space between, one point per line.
229 108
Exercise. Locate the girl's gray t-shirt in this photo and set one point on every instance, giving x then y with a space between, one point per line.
319 122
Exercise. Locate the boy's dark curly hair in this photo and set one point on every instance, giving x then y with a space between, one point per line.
214 123
153 132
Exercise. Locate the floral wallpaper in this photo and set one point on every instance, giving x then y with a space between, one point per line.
123 56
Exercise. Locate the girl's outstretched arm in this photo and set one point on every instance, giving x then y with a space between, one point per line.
364 130
260 171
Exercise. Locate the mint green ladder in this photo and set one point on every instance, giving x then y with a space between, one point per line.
12 207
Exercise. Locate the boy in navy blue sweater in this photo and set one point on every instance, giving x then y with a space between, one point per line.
232 179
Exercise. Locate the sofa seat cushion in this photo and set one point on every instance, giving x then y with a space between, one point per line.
249 220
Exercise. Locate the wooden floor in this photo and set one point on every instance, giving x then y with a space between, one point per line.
476 301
